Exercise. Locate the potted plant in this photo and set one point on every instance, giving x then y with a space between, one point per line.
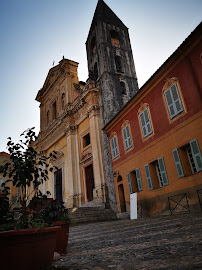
53 211
27 242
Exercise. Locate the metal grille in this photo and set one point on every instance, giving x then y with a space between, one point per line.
179 204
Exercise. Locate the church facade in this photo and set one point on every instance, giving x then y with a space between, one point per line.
73 113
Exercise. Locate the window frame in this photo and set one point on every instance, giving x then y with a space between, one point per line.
167 87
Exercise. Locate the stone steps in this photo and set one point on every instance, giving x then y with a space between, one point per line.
90 214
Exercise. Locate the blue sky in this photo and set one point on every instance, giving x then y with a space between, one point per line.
34 33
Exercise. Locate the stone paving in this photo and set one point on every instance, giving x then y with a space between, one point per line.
173 242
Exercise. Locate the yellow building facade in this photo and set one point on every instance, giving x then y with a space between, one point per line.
70 125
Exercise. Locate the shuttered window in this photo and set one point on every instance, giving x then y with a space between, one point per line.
145 123
126 136
149 181
139 181
115 152
129 183
196 155
173 101
163 173
178 163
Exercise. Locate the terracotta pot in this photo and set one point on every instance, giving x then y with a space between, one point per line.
62 236
31 249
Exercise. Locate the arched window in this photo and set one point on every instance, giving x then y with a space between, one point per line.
115 38
118 63
63 100
123 88
95 72
93 44
47 117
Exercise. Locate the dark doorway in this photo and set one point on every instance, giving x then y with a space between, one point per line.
58 185
122 198
89 182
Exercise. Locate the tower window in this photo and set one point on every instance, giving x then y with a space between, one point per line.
54 110
95 72
93 44
118 64
115 38
123 88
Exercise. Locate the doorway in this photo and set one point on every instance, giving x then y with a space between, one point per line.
90 185
122 198
58 185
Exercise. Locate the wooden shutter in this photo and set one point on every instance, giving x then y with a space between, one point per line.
116 147
149 181
173 101
178 163
176 99
139 181
125 138
129 183
196 155
128 137
163 171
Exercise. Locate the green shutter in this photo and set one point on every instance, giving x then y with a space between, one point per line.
173 101
163 171
128 137
196 155
145 123
139 181
147 120
178 163
116 148
125 138
112 143
149 181
129 183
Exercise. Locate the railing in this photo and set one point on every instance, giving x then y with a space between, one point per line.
199 193
179 204
139 209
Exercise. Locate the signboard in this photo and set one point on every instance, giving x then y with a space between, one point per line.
133 206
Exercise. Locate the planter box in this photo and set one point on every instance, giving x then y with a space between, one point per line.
31 249
62 236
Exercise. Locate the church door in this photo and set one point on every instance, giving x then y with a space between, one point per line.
58 185
89 182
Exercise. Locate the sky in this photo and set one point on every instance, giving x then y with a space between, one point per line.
36 33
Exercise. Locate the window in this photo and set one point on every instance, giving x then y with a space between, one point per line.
118 64
123 88
47 117
54 110
188 159
95 72
93 44
126 137
115 38
156 174
86 140
63 100
145 123
173 101
134 181
114 146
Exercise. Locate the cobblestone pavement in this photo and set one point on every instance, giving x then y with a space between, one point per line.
173 242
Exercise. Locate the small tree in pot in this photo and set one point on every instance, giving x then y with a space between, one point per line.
26 170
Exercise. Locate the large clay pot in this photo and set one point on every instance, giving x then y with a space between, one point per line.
62 236
31 249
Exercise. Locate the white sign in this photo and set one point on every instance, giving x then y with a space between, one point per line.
133 206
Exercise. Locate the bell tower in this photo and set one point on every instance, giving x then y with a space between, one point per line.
110 60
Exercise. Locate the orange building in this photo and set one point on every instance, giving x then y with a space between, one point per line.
156 140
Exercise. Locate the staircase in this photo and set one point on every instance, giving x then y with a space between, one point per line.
90 215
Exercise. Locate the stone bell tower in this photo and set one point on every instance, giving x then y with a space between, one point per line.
110 60
111 66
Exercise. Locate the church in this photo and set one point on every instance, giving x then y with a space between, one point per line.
73 113
84 122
